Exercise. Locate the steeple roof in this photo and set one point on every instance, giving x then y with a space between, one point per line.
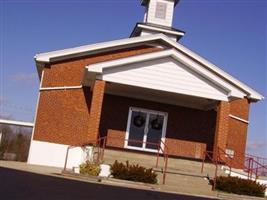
145 2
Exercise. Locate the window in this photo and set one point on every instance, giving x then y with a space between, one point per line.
161 9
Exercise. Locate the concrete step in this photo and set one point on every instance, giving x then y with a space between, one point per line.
178 166
182 175
186 183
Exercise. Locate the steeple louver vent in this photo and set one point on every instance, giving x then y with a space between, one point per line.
161 9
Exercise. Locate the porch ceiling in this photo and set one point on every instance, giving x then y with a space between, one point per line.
160 96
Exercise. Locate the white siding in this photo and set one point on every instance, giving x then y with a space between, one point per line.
164 74
152 12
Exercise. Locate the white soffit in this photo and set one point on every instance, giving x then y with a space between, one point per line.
146 39
185 76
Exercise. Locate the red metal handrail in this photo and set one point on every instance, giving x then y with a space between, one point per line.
165 156
251 168
258 165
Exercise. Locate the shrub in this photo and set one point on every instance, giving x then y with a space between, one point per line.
240 186
133 172
89 168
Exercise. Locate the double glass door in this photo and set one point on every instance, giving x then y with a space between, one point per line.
145 129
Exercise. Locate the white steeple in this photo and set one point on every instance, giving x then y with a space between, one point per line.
159 12
158 19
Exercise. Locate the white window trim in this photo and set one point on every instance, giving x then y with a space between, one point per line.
164 129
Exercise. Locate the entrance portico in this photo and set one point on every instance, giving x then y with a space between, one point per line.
189 104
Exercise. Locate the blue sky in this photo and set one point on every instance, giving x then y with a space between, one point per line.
229 33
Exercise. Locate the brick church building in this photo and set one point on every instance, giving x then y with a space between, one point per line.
138 92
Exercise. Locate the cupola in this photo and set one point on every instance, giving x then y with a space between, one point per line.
158 18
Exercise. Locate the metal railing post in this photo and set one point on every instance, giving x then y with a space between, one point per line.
165 169
203 160
104 146
157 162
216 168
66 158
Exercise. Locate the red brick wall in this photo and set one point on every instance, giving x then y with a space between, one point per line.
184 124
115 138
240 108
237 134
96 109
185 148
222 126
63 115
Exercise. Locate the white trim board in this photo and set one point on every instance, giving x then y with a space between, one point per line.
239 119
96 48
61 88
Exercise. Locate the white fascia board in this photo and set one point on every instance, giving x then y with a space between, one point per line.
160 29
100 67
46 57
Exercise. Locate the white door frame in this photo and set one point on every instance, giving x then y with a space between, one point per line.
164 128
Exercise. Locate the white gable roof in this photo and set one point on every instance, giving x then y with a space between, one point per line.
148 39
